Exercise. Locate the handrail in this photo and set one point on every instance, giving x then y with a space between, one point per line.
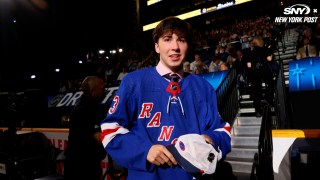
263 160
227 97
281 107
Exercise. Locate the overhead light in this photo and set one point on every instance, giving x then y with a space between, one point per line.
101 51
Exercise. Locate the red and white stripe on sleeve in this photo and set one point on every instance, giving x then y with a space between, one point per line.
110 130
226 128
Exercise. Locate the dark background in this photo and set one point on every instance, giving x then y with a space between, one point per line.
49 34
54 33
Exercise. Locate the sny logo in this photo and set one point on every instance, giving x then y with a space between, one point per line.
297 9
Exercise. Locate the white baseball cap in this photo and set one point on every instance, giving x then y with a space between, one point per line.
195 155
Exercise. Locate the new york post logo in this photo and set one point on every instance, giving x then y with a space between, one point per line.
299 14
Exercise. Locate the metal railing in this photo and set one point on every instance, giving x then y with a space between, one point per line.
227 97
262 168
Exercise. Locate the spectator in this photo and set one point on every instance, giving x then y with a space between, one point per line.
197 66
122 74
186 67
307 50
84 151
217 64
261 72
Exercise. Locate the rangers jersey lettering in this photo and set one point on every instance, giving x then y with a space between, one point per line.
142 115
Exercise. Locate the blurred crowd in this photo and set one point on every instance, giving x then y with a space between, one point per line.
215 48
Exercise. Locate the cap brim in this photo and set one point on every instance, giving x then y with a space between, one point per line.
185 164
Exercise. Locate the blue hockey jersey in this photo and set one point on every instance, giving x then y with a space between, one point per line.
143 113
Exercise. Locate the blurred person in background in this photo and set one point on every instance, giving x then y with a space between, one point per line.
217 64
307 50
261 72
85 151
186 67
197 66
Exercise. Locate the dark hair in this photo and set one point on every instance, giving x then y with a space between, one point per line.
216 58
172 24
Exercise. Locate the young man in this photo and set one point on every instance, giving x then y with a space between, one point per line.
149 112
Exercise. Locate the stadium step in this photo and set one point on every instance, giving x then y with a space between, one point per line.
246 127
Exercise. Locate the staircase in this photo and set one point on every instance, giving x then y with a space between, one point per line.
246 128
244 139
288 52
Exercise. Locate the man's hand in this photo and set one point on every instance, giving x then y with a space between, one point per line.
269 58
207 139
159 155
249 64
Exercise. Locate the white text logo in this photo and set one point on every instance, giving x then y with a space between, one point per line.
297 9
299 12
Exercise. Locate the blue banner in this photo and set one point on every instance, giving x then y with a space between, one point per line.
304 74
215 78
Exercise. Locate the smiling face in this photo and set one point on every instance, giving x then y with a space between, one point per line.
171 38
172 50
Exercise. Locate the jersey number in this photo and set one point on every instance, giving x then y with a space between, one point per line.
115 105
